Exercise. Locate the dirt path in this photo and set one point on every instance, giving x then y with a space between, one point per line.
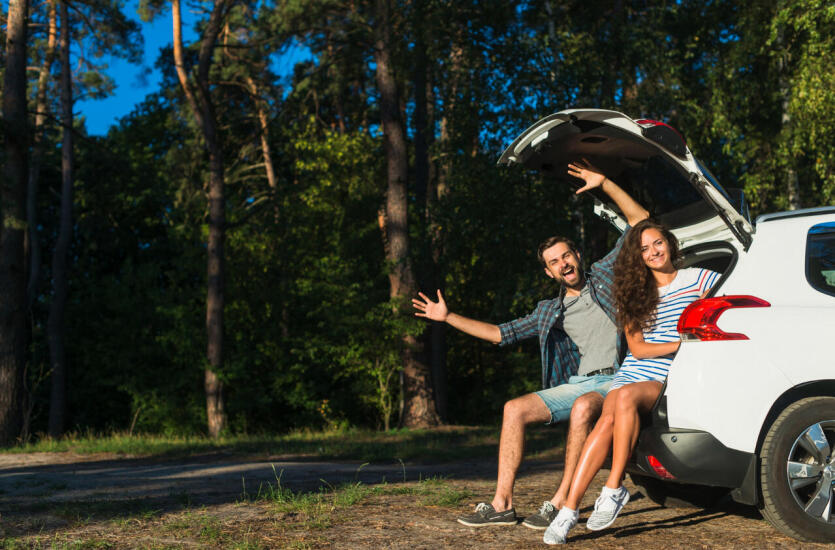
104 501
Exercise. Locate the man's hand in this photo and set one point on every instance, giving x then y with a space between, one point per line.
588 173
437 311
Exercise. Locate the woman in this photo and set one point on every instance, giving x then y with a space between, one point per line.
650 293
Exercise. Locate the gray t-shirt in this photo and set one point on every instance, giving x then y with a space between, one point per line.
590 328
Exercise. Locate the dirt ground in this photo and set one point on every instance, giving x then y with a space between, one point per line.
61 500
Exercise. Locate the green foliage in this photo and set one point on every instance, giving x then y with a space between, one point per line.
312 337
773 102
316 508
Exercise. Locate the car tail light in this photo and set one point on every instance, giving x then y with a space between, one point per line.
698 321
659 468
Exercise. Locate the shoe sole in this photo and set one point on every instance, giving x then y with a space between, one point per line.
611 521
535 527
565 540
503 523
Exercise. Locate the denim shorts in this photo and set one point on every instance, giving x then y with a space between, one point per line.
559 399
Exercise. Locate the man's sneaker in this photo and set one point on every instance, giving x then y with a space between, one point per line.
606 507
558 530
485 515
542 519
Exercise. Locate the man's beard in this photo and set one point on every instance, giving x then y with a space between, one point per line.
581 280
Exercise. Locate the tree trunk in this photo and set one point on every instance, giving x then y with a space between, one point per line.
263 126
792 182
215 408
203 110
438 187
55 322
13 209
793 189
33 247
456 63
418 407
553 40
434 336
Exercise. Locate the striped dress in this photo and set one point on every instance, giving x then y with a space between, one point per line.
687 287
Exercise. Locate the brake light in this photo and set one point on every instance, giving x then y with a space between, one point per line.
659 468
698 321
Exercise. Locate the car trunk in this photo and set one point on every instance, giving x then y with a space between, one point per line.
650 161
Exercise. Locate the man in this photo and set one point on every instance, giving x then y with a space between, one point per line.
579 346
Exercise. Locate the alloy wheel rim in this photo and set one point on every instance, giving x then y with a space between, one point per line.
810 470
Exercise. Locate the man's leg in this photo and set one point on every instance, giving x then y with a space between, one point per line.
518 413
547 406
584 414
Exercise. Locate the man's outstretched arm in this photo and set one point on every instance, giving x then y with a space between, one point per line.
633 211
438 311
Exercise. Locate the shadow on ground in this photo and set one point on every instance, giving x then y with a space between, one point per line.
115 488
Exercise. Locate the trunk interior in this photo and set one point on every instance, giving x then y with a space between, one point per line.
636 165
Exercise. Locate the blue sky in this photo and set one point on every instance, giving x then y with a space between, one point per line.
134 82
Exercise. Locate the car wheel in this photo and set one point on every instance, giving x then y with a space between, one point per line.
678 495
797 470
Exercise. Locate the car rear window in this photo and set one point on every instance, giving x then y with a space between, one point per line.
820 257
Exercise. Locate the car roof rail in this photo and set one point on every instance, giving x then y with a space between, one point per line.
795 214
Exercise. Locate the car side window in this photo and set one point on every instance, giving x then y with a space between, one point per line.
820 257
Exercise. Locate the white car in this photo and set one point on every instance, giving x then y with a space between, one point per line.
749 404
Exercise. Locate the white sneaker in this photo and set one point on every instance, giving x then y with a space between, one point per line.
606 507
558 530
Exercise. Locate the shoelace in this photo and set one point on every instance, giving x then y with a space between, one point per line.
482 507
546 508
602 498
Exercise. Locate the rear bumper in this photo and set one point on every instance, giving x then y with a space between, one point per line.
697 457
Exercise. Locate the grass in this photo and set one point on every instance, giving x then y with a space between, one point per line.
287 518
317 506
442 444
84 511
437 492
294 519
88 544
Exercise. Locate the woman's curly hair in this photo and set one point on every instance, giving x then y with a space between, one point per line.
636 292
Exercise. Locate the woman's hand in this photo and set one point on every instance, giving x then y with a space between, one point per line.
588 173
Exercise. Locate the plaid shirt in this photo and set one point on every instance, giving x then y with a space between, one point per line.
560 356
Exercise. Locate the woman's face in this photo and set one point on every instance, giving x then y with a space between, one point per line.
655 251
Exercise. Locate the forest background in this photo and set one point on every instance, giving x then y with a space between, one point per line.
237 255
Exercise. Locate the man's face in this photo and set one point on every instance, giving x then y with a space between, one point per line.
563 265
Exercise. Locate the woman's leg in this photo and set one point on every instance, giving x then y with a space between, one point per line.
594 452
632 400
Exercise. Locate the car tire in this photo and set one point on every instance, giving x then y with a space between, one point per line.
678 495
797 470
